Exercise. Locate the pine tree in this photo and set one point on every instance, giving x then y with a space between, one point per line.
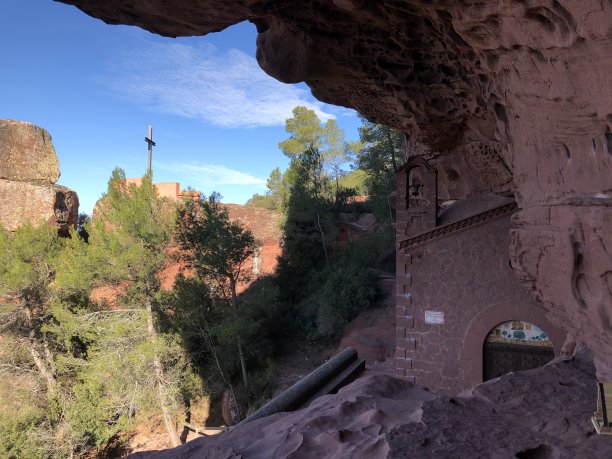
217 249
128 243
27 270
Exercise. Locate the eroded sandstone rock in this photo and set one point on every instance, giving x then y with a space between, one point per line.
505 95
26 153
537 413
25 202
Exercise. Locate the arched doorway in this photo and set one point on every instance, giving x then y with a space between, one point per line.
513 346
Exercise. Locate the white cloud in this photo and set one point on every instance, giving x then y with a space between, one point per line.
211 175
223 89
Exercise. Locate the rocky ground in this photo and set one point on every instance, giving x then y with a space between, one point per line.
541 413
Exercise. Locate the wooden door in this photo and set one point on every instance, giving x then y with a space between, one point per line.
502 358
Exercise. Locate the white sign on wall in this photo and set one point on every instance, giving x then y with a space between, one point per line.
434 317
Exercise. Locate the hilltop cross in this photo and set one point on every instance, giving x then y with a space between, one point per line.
149 140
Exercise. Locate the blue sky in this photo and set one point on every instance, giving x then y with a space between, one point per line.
217 117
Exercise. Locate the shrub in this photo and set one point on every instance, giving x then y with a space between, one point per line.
344 290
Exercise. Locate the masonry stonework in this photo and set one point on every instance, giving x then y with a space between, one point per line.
454 267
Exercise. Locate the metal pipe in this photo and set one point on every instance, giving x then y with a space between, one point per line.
302 390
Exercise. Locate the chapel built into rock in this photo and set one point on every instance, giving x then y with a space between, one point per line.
456 290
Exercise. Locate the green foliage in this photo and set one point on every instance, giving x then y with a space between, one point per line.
217 249
105 366
355 180
275 196
342 292
306 132
26 262
16 440
379 158
309 226
274 181
215 246
116 383
128 240
209 335
105 358
263 201
129 245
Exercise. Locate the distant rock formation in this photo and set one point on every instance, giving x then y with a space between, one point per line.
29 169
264 224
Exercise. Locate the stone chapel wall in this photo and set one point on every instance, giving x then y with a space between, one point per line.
462 279
461 276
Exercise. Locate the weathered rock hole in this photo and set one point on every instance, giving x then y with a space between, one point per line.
564 14
393 45
440 105
567 151
594 146
492 59
535 14
607 280
537 54
500 112
452 175
448 71
539 452
583 291
567 384
608 137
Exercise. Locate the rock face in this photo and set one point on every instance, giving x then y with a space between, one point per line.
541 413
25 202
264 224
503 94
27 153
29 169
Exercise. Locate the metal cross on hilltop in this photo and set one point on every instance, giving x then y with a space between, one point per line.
149 140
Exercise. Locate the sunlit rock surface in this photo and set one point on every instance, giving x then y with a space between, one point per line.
26 153
29 168
541 413
22 202
505 94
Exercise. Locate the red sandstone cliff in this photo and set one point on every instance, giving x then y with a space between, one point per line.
265 227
